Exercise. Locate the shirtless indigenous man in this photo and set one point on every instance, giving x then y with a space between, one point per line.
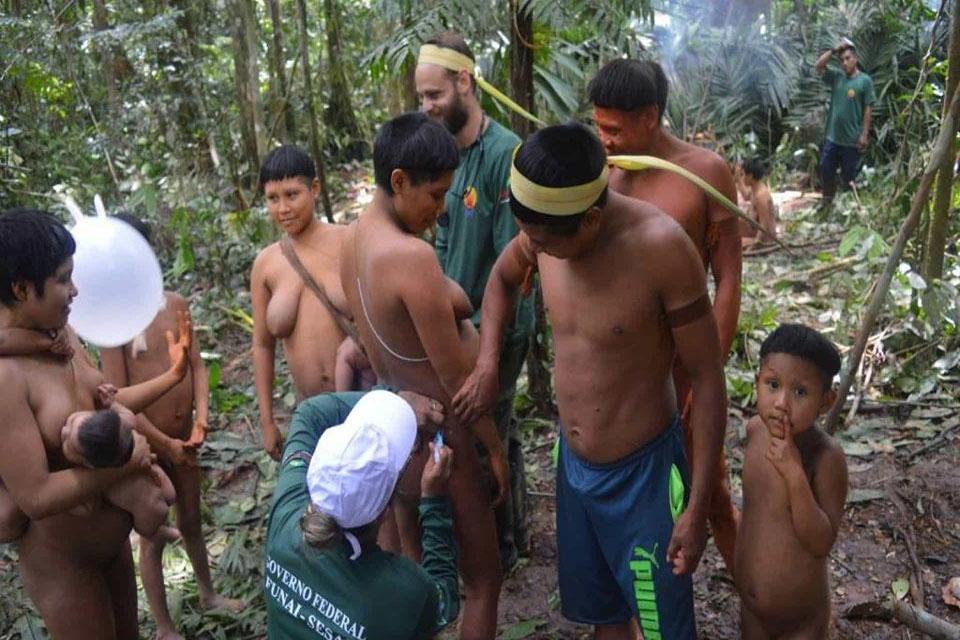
625 290
174 433
629 98
407 314
284 306
78 570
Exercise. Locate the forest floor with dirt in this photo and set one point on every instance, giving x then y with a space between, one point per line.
900 533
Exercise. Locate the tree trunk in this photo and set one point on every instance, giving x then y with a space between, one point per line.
316 149
411 101
279 75
252 131
521 67
539 386
340 115
943 198
106 58
918 204
521 87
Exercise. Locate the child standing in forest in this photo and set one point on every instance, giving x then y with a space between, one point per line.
174 433
794 489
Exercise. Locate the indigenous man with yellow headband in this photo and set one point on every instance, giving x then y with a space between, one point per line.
629 98
474 230
625 290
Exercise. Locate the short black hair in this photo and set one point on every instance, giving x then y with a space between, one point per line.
104 441
33 245
804 342
756 168
142 227
421 147
455 41
287 161
563 155
629 85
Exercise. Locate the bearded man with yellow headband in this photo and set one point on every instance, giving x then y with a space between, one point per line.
471 234
625 290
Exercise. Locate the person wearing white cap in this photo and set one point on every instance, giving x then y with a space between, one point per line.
325 575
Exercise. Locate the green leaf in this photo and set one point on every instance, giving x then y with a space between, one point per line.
522 629
213 376
864 495
900 587
850 240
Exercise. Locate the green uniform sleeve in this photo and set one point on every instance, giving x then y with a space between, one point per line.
869 96
830 76
440 244
440 562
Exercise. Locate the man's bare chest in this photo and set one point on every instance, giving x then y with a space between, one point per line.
609 307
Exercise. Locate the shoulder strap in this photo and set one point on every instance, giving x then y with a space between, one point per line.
345 323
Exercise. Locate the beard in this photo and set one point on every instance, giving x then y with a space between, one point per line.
455 119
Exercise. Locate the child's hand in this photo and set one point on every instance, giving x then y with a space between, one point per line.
179 350
180 454
61 345
273 441
106 393
783 453
198 435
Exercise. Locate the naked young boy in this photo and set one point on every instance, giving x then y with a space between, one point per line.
175 425
794 488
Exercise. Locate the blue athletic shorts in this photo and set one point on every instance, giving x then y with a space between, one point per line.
614 523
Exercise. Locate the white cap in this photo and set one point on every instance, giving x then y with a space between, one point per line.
355 466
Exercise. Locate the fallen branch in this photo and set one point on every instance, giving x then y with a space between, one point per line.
916 579
935 442
883 285
908 615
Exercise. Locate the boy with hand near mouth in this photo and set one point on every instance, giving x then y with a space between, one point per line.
794 489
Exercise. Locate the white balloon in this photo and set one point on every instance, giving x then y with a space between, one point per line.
118 280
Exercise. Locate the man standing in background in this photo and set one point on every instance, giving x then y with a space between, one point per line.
848 121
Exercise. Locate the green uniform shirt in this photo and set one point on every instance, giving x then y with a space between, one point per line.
479 224
848 98
314 593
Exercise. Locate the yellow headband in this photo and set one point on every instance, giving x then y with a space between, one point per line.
556 201
446 58
456 61
566 201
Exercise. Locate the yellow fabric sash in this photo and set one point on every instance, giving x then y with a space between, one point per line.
456 61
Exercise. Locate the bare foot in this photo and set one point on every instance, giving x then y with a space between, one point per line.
220 601
166 534
169 635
